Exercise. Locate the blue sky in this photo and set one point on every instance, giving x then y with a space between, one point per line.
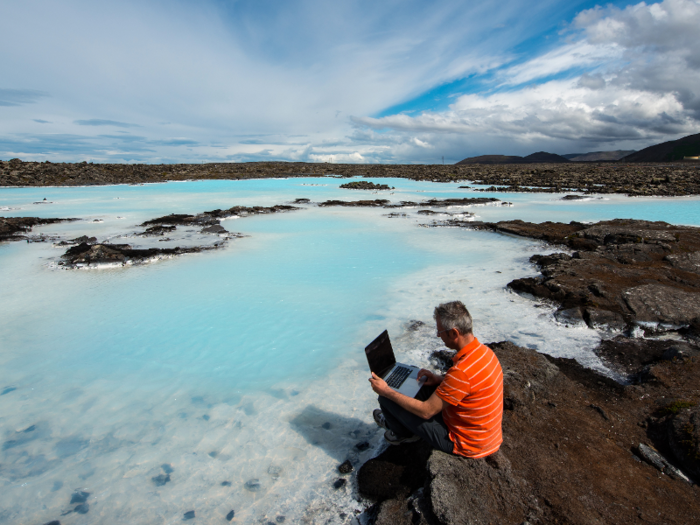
307 80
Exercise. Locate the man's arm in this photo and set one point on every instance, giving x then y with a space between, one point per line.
423 409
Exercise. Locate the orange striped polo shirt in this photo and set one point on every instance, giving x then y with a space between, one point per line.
473 391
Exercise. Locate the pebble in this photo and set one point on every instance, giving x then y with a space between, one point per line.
280 519
205 417
79 497
167 468
54 522
274 471
83 508
213 454
189 515
252 485
362 446
230 515
346 467
161 479
338 483
7 390
326 425
30 429
225 483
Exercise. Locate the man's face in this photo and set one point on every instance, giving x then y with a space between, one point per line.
447 336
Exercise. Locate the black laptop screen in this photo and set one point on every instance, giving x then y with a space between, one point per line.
380 355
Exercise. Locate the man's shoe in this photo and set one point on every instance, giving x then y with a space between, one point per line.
393 439
379 418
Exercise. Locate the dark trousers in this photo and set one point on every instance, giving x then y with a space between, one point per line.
404 424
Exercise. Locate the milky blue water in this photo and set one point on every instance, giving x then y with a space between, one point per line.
243 363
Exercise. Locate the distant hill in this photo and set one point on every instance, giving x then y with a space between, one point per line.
540 156
492 159
668 151
595 156
543 156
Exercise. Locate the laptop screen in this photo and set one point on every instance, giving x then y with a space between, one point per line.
380 355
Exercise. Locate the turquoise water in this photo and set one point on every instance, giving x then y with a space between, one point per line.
246 362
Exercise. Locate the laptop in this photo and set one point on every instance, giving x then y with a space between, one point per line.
399 376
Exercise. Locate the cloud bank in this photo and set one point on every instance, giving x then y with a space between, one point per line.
624 78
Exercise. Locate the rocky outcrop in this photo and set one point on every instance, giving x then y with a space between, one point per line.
86 255
18 228
431 203
365 185
635 179
90 253
571 452
211 218
622 274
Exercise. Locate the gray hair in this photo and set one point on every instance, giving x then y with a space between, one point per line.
454 315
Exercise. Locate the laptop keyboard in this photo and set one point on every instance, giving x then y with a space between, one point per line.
398 376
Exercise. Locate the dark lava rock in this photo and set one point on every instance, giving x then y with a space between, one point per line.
280 519
16 228
326 426
253 485
161 479
157 231
397 470
301 201
338 483
189 515
95 254
365 185
573 197
225 483
684 439
83 508
414 325
54 522
216 228
79 497
230 515
345 467
625 272
362 446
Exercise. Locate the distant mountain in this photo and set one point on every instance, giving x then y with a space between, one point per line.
668 151
543 156
492 159
540 156
595 156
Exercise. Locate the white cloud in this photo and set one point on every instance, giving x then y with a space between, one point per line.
643 86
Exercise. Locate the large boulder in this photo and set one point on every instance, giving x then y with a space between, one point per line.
467 491
656 303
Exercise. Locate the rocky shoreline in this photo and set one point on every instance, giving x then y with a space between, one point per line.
667 179
579 447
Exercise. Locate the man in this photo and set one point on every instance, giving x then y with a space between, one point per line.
463 415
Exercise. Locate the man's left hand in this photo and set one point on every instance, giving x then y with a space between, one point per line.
379 385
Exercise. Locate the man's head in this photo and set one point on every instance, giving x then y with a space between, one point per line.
454 324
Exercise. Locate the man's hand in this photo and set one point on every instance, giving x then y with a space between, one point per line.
379 385
430 378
